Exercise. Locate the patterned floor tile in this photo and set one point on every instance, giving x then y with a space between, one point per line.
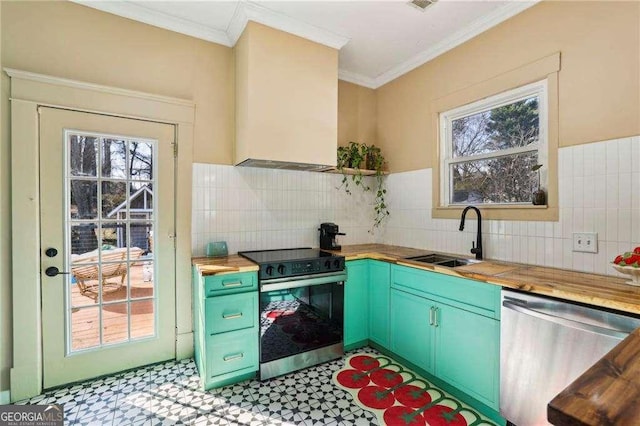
171 394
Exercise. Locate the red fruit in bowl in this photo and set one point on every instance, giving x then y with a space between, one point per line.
636 250
631 259
618 259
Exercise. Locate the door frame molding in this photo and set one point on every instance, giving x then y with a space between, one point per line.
28 92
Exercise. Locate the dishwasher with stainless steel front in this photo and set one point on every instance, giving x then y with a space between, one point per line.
545 345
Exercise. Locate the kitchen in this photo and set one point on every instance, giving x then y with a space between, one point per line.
284 208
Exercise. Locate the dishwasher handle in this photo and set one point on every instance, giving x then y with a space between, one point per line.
564 321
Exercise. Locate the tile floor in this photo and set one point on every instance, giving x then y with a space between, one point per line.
169 393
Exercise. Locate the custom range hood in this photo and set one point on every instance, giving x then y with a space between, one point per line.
286 101
284 165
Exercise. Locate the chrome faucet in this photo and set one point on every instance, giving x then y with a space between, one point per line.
477 248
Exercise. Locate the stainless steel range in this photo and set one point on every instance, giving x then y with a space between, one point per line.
301 308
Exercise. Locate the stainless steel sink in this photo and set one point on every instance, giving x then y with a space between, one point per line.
430 258
441 260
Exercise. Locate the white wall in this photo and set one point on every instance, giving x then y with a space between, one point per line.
257 209
599 190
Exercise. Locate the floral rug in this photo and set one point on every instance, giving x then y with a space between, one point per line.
400 397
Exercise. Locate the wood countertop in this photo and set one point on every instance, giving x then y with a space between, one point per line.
598 290
606 394
223 265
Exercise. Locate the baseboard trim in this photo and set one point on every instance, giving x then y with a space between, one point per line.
184 346
5 397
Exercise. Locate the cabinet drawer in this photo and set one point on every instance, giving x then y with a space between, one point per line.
229 283
233 351
232 312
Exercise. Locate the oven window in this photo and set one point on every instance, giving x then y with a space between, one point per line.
297 320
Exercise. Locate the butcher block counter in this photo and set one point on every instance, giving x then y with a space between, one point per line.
599 290
225 264
606 394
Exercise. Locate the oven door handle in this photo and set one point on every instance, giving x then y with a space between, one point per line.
302 281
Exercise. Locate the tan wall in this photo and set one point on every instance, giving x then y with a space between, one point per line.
287 99
356 114
599 80
81 43
68 40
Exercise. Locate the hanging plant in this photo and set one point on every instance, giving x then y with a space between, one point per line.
351 161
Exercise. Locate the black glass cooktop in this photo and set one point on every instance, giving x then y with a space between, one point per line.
285 263
283 255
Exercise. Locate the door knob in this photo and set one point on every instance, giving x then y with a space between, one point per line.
52 271
51 252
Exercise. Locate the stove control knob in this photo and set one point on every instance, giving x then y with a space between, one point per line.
327 265
269 270
281 269
336 263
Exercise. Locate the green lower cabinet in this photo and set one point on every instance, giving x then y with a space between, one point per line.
459 347
379 281
356 306
411 334
468 353
226 333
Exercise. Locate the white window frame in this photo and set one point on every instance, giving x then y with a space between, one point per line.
539 89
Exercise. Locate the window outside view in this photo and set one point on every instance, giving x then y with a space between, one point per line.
491 153
110 235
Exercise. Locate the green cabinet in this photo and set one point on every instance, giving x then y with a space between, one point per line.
449 327
225 317
468 352
411 333
366 303
356 304
379 314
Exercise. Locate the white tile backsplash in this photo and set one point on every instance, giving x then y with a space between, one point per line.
264 209
256 209
597 191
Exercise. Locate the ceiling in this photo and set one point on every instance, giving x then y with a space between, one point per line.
378 40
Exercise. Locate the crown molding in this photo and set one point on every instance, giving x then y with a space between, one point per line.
252 11
76 84
158 19
355 78
237 24
475 28
245 12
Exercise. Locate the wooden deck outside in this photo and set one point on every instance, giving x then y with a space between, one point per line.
85 322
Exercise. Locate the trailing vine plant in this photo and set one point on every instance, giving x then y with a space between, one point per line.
353 157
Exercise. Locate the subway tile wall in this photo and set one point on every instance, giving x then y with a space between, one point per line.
599 191
265 209
259 209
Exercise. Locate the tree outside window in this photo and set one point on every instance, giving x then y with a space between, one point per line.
490 147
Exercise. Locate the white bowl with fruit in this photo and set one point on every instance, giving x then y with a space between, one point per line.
629 263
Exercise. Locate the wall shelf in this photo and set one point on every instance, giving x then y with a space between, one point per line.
350 171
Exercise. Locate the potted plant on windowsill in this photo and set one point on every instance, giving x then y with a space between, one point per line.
351 159
539 195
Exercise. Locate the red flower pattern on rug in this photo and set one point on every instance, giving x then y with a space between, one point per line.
399 397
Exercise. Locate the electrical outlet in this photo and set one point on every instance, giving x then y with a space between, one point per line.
586 242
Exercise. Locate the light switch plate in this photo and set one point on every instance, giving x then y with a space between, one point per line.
586 242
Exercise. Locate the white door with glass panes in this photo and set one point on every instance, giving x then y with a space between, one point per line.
107 244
